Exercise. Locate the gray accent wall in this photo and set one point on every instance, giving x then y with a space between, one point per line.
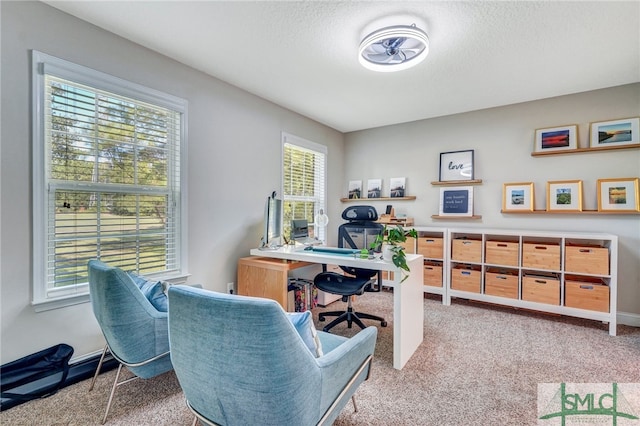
234 160
502 139
234 156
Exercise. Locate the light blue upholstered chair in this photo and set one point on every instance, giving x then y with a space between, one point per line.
135 331
241 361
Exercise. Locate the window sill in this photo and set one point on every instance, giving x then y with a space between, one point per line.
76 299
61 302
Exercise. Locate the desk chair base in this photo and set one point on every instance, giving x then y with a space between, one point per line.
350 316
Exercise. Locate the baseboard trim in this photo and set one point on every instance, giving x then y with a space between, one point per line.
627 318
78 371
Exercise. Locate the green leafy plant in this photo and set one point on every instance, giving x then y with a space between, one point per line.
394 237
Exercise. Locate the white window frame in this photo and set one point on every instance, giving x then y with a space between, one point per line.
290 139
43 297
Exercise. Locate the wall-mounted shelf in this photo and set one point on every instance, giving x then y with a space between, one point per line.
581 150
437 216
592 212
456 182
407 198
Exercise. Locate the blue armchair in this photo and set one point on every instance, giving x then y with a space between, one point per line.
241 360
135 331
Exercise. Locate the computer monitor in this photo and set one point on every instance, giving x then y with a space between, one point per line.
299 228
272 234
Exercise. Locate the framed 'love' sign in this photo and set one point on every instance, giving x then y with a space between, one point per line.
456 165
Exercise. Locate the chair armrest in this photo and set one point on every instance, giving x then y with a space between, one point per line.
341 364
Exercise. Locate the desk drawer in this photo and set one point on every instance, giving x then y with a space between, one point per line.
430 247
541 289
466 279
466 250
433 274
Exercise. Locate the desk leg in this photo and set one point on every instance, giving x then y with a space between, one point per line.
408 314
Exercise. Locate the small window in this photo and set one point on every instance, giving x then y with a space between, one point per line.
304 181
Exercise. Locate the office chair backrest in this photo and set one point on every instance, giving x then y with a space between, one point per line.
359 232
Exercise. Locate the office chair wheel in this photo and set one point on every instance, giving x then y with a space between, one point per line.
321 318
383 323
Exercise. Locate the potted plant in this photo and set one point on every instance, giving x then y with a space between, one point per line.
389 242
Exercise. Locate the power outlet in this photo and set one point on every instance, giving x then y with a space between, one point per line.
230 288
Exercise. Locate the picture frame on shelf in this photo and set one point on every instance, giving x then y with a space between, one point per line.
397 187
374 188
611 133
556 139
564 196
618 195
456 201
517 197
355 189
456 166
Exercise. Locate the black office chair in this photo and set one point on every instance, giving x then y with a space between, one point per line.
359 232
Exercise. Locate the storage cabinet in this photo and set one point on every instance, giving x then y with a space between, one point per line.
431 244
571 274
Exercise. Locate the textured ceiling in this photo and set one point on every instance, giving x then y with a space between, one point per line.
303 55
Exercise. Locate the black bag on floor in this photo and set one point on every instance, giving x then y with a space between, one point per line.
34 376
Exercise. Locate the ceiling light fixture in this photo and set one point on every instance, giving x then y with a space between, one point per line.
394 48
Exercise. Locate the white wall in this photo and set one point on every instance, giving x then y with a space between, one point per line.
502 140
234 157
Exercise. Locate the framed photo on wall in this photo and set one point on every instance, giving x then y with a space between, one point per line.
618 195
565 196
374 188
397 187
517 197
355 189
456 165
456 201
556 139
615 132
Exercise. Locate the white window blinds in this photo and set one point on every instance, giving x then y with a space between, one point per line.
304 181
112 186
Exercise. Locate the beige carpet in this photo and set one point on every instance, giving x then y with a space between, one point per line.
478 365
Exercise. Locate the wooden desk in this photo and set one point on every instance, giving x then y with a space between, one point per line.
408 300
266 277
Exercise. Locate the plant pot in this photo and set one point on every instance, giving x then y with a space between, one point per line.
387 253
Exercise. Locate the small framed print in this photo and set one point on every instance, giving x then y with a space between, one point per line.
565 196
456 165
517 197
355 189
456 201
374 188
618 195
397 187
615 132
556 139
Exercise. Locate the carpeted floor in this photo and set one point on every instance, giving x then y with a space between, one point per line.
478 365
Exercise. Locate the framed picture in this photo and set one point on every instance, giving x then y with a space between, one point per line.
374 188
556 139
397 187
564 195
615 132
456 201
517 197
456 165
618 195
355 189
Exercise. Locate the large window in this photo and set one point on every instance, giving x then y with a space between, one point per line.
107 181
304 180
